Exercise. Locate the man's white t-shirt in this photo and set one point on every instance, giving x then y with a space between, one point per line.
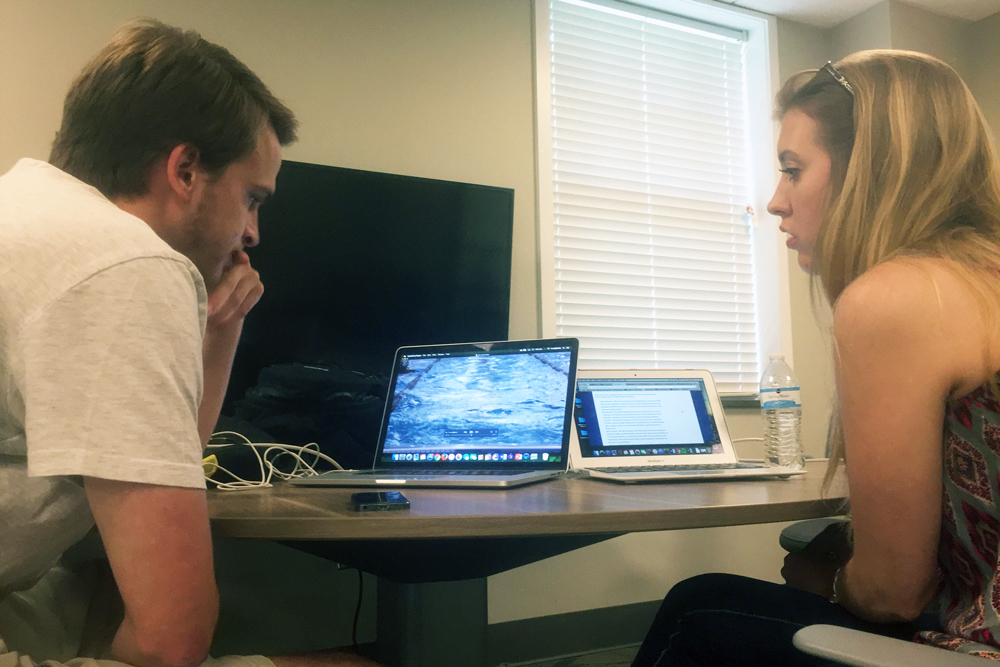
101 327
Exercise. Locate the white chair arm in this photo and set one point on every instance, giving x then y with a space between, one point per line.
863 649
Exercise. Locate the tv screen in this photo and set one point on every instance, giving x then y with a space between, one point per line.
356 264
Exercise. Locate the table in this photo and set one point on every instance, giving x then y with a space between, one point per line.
432 561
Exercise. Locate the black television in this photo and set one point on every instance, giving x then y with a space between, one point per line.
357 263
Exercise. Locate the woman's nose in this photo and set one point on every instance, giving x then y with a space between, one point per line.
779 204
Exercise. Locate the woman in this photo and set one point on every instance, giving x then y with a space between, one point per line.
890 194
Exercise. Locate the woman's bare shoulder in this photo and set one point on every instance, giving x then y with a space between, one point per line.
922 305
905 292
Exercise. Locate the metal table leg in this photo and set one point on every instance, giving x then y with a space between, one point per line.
439 624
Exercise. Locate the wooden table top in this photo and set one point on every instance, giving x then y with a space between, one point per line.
565 506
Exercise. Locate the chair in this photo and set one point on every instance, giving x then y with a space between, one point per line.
797 536
863 649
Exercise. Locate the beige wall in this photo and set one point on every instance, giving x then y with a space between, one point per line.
868 30
984 74
915 29
892 24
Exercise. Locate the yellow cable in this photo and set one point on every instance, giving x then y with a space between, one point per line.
210 464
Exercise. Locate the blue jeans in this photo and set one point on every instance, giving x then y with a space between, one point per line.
724 619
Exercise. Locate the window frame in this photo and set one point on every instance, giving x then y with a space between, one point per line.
770 257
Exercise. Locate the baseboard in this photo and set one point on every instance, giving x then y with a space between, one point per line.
560 634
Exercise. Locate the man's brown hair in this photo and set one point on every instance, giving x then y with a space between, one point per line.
152 88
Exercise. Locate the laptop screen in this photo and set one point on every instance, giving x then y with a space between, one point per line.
500 405
623 417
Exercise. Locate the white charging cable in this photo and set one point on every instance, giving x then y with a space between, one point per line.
272 452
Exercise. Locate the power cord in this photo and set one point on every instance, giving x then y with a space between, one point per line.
811 458
357 610
266 461
750 440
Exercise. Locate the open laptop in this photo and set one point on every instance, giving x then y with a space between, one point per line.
655 426
490 415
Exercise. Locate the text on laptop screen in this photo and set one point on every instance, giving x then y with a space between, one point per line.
644 417
507 407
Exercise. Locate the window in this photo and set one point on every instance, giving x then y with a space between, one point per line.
647 191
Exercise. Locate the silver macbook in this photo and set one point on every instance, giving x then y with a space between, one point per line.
655 426
491 415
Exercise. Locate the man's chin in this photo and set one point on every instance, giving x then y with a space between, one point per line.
216 279
211 276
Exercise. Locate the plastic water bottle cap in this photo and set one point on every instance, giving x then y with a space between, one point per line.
777 356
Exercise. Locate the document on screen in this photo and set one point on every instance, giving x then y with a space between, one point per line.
637 418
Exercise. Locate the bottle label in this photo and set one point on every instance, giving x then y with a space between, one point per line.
773 399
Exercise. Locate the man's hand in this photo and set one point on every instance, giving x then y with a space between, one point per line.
231 300
234 297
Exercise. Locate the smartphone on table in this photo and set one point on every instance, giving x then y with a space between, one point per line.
379 501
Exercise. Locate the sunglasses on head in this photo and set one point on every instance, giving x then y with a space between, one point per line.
837 76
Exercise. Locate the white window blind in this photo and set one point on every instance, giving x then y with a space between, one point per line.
653 241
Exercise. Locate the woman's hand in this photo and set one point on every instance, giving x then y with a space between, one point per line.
813 568
809 574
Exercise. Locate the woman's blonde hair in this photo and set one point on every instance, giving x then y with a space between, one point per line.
913 174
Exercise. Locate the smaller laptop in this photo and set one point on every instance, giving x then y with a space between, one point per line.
475 415
655 426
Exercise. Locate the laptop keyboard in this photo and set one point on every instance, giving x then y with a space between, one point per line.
742 465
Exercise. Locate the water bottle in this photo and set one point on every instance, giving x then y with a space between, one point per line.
779 403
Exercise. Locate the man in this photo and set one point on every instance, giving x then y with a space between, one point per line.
123 288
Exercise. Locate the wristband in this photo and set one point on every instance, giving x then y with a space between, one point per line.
835 597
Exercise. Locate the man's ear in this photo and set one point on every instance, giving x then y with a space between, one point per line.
184 171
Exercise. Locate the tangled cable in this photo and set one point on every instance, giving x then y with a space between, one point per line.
272 452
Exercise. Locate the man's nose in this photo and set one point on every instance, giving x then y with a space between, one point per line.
251 235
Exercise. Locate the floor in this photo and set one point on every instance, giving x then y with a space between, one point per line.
619 656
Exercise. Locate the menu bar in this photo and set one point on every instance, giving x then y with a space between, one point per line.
652 451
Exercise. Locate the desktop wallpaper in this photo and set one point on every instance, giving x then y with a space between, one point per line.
481 401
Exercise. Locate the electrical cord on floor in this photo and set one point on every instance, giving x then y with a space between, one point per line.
357 609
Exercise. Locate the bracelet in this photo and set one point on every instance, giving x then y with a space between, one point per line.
835 597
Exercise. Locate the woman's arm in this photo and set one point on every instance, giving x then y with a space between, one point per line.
907 337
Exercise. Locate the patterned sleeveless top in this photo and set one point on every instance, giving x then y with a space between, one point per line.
969 597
